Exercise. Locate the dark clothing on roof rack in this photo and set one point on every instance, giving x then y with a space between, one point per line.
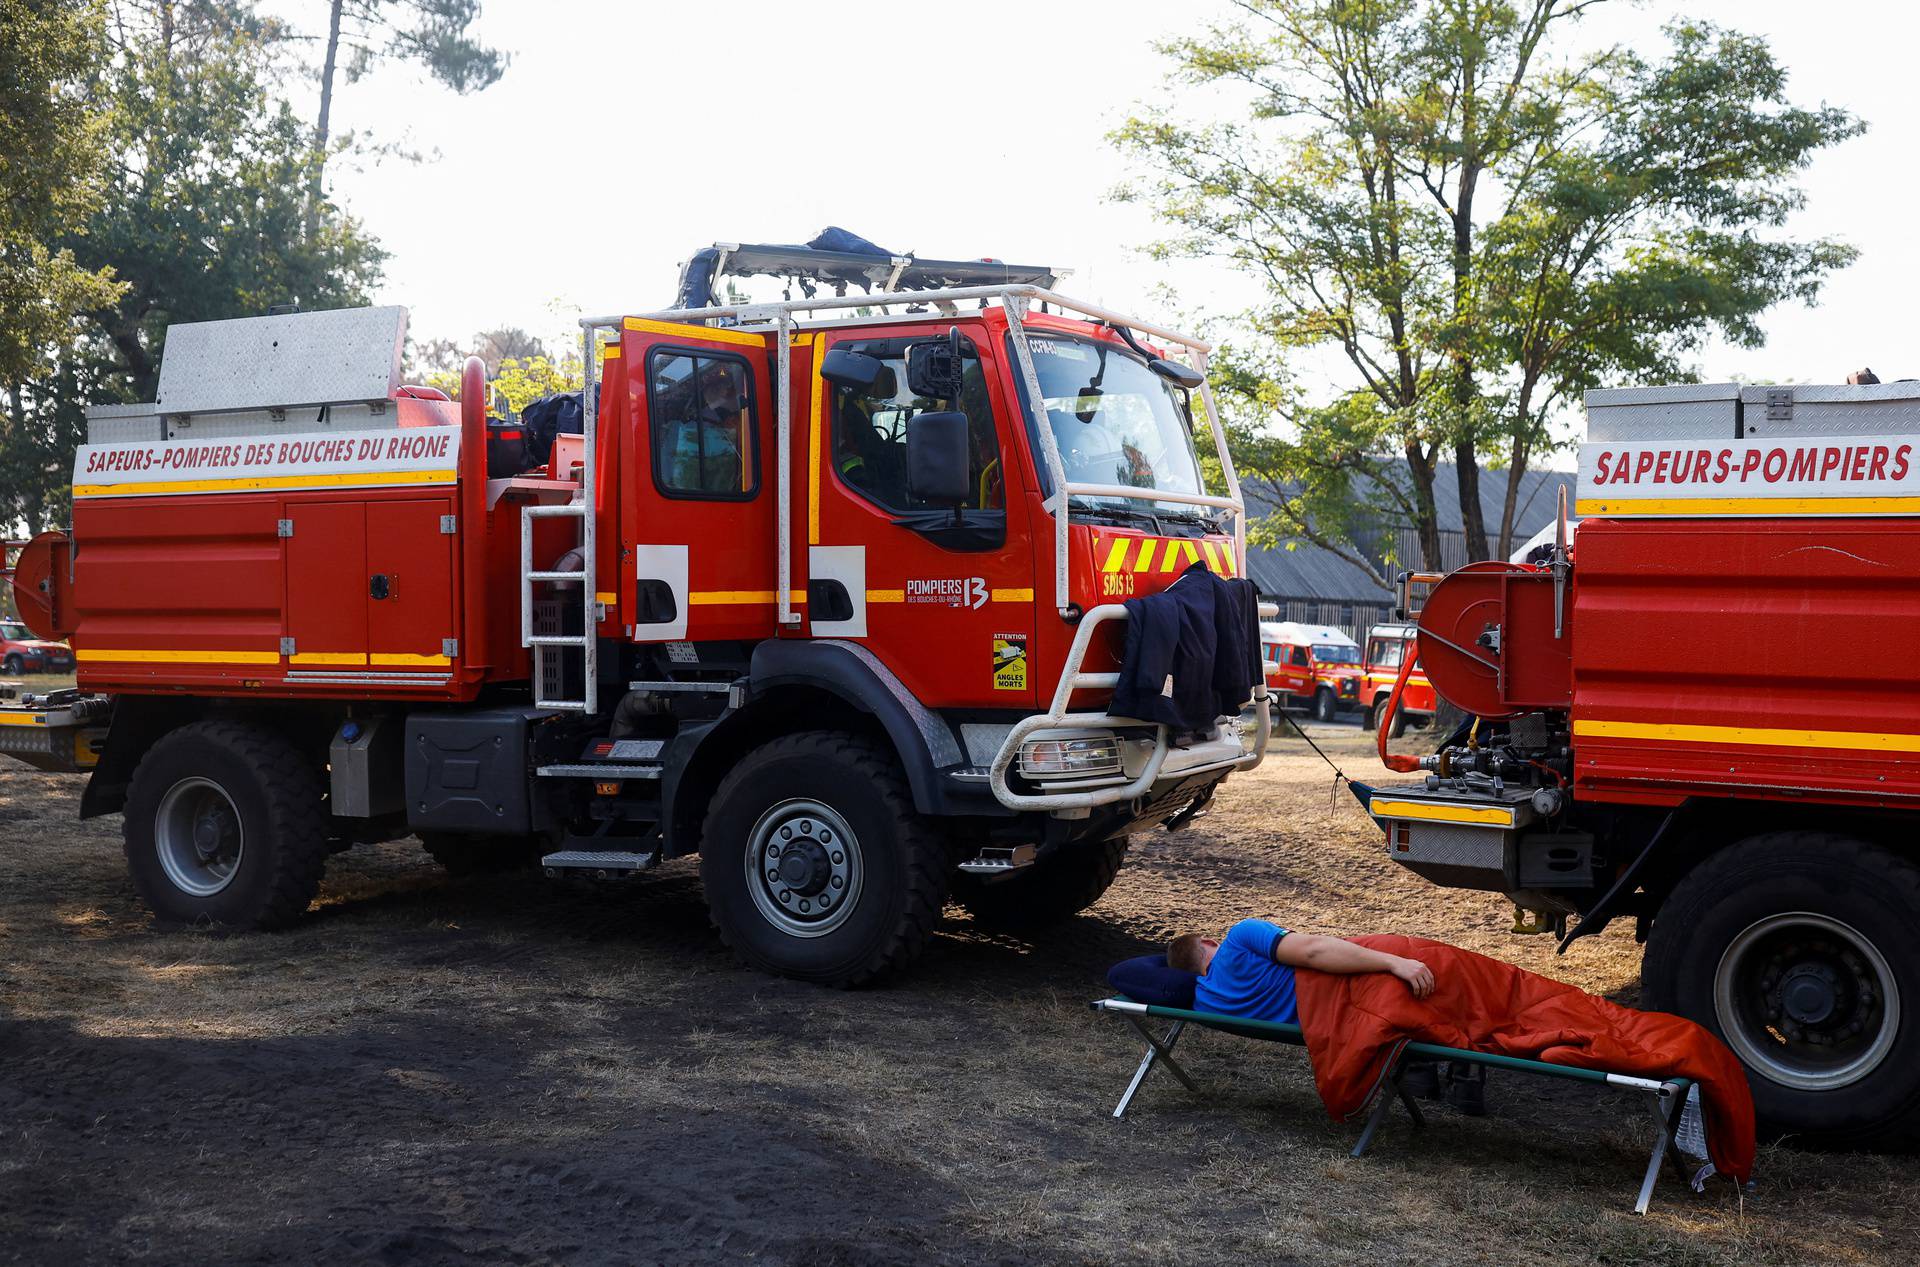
1192 652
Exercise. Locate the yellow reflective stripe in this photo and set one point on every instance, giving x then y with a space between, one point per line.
887 596
609 351
1758 736
403 658
144 656
1750 506
1144 562
1213 560
708 334
1233 565
1013 596
23 719
1193 555
327 657
1487 815
726 598
1116 554
606 598
354 479
813 443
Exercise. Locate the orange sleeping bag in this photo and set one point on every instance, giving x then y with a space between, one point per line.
1355 1024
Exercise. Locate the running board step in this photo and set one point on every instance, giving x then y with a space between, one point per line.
999 860
603 864
599 770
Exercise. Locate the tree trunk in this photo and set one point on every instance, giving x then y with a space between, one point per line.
1516 471
323 129
1473 519
1426 522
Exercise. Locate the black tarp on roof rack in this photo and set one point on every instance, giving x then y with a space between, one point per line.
840 259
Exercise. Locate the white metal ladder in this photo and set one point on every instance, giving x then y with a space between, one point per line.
550 647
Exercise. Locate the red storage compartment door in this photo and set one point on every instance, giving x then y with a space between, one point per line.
408 588
327 584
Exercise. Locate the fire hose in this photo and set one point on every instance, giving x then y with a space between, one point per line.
1394 760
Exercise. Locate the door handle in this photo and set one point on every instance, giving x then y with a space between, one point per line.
380 586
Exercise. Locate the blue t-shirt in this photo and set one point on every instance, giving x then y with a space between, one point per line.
1243 979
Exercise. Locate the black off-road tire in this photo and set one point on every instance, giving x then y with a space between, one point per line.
274 795
1060 885
902 861
464 855
1793 876
13 666
1325 706
1399 724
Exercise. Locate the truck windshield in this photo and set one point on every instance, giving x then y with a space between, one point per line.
1327 653
1116 422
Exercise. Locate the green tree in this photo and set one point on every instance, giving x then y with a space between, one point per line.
199 216
431 34
1478 224
52 152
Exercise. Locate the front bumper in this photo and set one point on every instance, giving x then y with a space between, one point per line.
1157 765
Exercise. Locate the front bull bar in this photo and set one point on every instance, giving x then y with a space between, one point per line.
1056 717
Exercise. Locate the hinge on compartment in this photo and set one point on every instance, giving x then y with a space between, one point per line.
1780 404
450 648
286 646
283 528
449 524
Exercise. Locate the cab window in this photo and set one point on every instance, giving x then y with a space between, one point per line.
1298 658
869 431
700 412
1385 653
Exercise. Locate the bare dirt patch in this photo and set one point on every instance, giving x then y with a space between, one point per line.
514 1070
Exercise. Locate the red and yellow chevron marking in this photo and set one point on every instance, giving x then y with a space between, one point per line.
1167 554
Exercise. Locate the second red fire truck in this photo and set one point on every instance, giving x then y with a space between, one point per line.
1661 731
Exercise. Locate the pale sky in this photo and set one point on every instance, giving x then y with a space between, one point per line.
626 135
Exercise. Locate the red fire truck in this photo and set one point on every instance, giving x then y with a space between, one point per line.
1387 647
1664 732
827 591
1315 667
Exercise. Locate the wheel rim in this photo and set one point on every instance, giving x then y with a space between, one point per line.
1807 1001
199 837
803 868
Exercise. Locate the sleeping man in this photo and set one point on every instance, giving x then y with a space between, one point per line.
1250 974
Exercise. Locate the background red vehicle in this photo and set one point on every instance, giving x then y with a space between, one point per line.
1315 667
21 652
1387 648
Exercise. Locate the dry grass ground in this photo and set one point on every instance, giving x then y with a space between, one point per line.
514 1070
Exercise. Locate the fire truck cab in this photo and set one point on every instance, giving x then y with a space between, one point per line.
1315 667
1388 646
1660 732
827 591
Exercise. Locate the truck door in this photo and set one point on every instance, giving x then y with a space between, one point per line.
697 512
945 600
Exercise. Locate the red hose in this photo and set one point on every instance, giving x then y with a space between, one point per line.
1394 760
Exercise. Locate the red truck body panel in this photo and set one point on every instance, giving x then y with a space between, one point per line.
1777 658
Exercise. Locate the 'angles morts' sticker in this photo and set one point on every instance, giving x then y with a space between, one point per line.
1009 662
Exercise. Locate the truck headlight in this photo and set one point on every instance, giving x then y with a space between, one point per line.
1070 758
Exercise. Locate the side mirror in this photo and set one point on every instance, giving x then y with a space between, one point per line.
938 470
855 371
1174 372
933 369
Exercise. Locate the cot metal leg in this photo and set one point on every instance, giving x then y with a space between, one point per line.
1158 1049
1666 1118
1393 1089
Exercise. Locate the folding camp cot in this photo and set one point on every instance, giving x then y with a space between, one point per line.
1668 1095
